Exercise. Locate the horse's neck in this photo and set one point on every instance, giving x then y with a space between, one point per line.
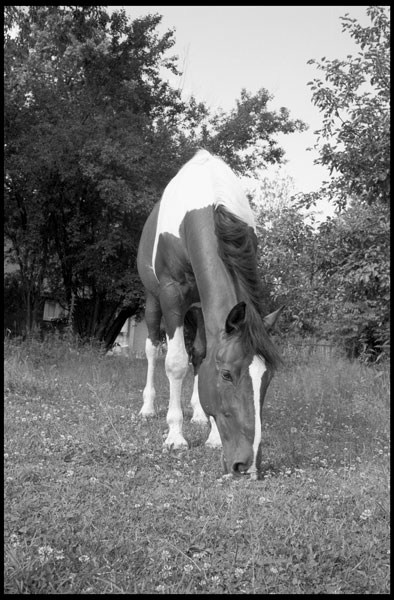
216 287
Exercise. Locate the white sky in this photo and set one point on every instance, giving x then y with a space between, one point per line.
223 49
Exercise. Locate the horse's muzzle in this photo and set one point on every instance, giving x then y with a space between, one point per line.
239 466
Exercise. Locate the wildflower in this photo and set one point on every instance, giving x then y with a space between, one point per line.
263 500
160 588
59 555
84 558
293 429
45 553
215 579
165 555
137 505
188 568
199 554
14 540
167 570
366 514
69 473
238 572
93 480
6 455
274 570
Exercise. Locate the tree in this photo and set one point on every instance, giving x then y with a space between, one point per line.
93 133
353 261
354 141
82 98
287 264
245 137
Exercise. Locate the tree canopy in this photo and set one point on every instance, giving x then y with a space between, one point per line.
354 98
93 133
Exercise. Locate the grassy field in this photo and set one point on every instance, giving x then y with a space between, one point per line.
94 505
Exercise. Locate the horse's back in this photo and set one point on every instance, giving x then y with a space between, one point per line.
203 181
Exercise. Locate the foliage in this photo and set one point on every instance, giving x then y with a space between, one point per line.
287 264
92 504
335 280
82 92
354 141
244 138
354 263
93 133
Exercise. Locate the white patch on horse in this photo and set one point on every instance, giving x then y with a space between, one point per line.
257 369
149 393
176 365
203 181
213 440
199 415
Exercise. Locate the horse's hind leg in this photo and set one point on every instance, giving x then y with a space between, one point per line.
152 318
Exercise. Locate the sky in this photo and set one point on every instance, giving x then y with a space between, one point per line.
223 49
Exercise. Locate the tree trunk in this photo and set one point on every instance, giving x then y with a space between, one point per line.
95 315
114 329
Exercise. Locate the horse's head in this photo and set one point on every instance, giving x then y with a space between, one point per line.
232 387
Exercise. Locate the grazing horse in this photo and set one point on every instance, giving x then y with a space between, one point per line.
197 259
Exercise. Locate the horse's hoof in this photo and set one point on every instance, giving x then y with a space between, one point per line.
175 442
146 414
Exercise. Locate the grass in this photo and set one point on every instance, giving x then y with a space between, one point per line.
94 505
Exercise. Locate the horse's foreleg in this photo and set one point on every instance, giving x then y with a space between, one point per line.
198 355
199 415
176 365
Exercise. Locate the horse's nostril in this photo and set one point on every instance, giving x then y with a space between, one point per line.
240 467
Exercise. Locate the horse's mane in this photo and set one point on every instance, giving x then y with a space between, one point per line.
237 248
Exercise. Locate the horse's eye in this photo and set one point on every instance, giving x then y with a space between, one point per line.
226 375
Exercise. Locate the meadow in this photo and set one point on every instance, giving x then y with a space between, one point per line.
93 504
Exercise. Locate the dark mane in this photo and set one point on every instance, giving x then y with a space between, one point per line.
237 249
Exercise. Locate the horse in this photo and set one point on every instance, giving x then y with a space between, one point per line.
197 260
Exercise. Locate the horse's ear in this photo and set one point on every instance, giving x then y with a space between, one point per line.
236 317
270 320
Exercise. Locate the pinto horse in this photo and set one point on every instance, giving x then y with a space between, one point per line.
197 258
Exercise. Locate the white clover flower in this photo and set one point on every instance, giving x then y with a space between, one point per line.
188 568
45 553
84 558
366 514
